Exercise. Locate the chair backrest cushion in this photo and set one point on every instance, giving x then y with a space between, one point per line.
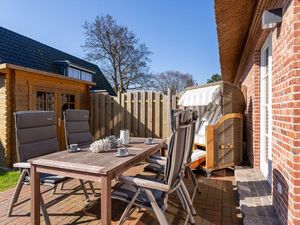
178 146
36 134
77 127
193 116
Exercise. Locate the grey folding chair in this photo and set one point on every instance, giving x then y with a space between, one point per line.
35 136
153 194
193 116
157 162
77 130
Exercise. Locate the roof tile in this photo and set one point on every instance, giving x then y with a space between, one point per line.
19 50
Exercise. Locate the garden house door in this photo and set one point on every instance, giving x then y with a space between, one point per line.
57 100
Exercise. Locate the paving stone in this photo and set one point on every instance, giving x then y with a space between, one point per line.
216 205
261 220
255 197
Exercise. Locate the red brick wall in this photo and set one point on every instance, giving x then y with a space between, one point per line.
250 80
285 109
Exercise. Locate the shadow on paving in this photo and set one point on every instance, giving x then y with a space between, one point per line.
216 205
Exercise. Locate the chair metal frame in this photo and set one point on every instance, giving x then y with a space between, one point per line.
157 160
172 181
24 169
67 144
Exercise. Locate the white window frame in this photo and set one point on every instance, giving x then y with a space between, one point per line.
266 167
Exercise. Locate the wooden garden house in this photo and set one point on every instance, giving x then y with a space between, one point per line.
34 76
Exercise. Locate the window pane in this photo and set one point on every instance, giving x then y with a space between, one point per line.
75 73
50 101
86 76
44 100
72 98
68 102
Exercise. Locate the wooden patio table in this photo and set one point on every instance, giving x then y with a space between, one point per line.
85 165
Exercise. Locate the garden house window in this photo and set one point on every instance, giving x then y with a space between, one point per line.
79 74
45 101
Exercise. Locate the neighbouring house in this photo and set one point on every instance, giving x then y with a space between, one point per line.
34 76
259 47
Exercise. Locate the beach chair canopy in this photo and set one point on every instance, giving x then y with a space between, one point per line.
201 96
212 101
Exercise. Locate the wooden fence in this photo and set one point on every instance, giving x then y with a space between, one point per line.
143 113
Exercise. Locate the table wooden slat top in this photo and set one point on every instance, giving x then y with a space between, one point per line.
103 163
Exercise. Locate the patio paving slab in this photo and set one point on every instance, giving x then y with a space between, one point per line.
255 197
216 205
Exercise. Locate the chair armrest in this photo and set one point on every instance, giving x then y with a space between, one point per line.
157 161
144 183
22 165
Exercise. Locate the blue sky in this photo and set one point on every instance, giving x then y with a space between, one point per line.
181 34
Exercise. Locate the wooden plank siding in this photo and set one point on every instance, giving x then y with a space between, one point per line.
143 113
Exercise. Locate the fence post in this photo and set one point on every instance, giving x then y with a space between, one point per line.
142 124
150 116
102 115
96 119
123 110
157 115
117 112
92 115
167 113
129 111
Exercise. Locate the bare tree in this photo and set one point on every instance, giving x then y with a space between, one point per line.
173 80
122 58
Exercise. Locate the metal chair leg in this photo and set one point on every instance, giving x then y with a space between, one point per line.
186 197
92 187
158 212
194 180
126 211
16 192
188 208
54 189
180 196
84 190
44 211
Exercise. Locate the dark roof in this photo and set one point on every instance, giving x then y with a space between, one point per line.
22 51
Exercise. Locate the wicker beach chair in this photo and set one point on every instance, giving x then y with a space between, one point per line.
153 194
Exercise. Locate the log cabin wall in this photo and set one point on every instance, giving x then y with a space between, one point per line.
18 92
4 97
